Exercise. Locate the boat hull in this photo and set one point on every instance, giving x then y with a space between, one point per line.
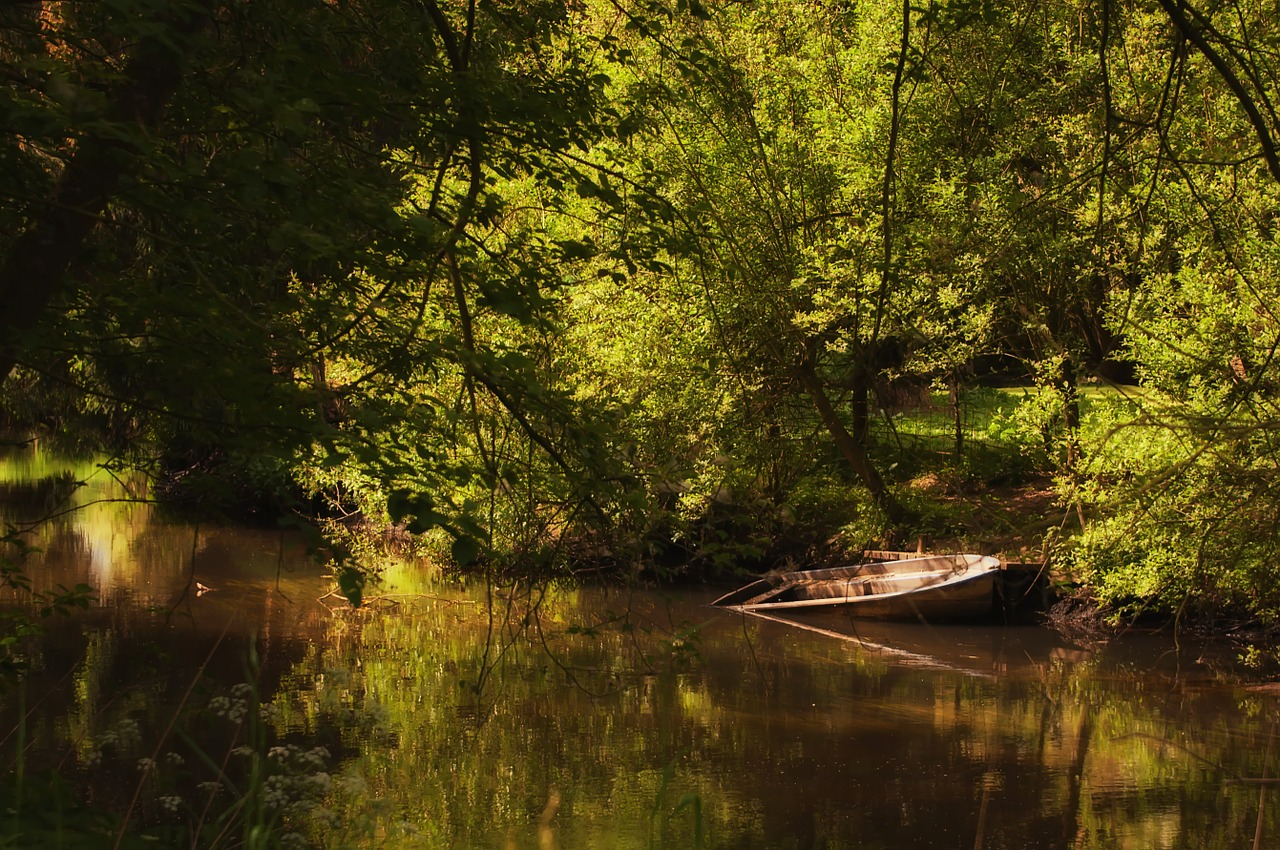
937 588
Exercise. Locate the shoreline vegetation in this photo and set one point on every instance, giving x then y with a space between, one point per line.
662 290
996 495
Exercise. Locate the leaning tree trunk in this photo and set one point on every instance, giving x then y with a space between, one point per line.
852 450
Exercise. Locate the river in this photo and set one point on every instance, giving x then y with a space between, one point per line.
448 715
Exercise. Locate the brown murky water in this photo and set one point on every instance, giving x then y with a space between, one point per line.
461 717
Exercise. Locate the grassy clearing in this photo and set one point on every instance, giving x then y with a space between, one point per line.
982 475
997 434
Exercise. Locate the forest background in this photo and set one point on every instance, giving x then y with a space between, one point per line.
636 289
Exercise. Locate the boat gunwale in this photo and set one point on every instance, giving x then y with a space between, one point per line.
965 566
863 600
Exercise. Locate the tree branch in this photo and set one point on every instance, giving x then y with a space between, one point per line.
35 269
1177 13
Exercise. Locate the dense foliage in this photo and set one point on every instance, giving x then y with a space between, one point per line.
649 286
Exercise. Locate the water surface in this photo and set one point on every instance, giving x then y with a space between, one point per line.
444 715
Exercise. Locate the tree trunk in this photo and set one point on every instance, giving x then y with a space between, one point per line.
34 271
860 404
957 415
1070 390
852 450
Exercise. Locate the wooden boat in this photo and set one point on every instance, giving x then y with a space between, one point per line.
933 588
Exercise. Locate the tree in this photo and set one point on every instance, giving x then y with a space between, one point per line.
243 228
1179 480
781 214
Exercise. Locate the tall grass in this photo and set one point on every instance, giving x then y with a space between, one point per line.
213 778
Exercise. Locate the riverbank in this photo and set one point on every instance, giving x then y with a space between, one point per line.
729 538
212 688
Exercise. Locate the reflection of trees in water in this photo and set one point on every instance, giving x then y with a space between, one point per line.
81 518
38 498
788 742
1075 777
471 712
621 709
1141 761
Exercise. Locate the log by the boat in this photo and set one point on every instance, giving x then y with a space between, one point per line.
936 587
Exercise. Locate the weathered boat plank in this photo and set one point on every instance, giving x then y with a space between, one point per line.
935 587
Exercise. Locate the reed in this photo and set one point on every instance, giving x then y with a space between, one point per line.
246 793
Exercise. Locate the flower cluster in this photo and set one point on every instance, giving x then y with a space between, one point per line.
301 783
298 758
125 734
234 708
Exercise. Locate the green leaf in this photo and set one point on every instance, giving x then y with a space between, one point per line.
399 504
351 583
424 522
465 550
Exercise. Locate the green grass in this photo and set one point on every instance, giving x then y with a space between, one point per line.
1007 433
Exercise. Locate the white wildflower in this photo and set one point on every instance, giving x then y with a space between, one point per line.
352 783
128 731
238 711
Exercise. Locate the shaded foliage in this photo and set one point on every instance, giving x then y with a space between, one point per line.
553 286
